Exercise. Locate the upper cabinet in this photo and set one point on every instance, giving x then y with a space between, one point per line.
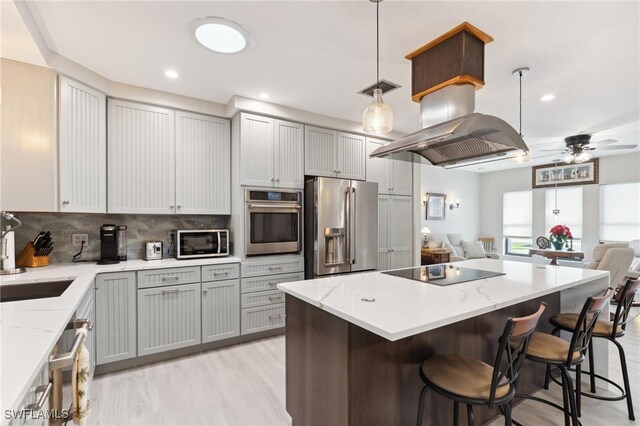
141 166
28 168
203 164
271 152
394 175
165 162
82 148
334 154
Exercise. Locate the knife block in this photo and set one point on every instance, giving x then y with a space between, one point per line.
29 259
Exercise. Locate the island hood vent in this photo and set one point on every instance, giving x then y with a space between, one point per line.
445 74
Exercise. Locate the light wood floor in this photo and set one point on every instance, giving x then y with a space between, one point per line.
244 385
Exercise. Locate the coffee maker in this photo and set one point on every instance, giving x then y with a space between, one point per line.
108 245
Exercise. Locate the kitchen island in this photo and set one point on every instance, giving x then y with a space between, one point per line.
354 342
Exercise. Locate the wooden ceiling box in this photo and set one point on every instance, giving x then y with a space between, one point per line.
456 57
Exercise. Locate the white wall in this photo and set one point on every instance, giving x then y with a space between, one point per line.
457 184
613 169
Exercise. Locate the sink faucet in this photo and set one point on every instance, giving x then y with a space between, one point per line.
7 253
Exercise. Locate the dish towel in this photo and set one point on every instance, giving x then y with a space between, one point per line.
80 381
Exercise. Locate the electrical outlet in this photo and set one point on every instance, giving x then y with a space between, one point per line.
77 239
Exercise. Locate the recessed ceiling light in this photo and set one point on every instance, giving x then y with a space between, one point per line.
221 35
263 95
548 97
171 74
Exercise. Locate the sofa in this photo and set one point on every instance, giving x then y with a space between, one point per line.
454 245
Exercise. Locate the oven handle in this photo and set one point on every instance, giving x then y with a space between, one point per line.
275 206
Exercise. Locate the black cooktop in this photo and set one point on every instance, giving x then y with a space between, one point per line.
443 274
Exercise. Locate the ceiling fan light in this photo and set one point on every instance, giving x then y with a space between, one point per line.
377 117
582 157
568 158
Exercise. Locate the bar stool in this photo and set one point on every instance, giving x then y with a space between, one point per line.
473 382
606 330
555 352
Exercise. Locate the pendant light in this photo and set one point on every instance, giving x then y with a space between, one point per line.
377 117
556 211
521 72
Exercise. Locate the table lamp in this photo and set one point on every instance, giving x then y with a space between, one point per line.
425 231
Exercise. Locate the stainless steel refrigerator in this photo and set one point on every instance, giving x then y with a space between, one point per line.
340 226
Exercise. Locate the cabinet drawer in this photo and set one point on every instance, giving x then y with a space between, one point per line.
168 318
270 267
220 272
268 282
169 276
262 318
262 298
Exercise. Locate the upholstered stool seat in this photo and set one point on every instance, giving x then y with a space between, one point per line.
568 322
462 376
547 347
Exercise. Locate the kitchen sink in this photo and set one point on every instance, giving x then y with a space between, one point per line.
29 291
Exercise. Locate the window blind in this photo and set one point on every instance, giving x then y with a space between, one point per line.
620 212
517 214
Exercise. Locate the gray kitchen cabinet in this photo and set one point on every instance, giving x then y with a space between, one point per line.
271 152
168 318
394 232
115 310
87 310
36 392
220 310
262 318
168 276
334 154
393 174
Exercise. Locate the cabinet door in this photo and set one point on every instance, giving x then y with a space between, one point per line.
141 159
115 326
320 155
203 164
351 156
28 140
378 169
220 310
289 154
82 148
168 318
400 259
384 249
256 150
402 182
400 230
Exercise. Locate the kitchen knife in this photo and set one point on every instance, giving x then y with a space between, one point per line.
40 235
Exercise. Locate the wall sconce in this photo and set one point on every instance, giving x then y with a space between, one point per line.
455 206
424 199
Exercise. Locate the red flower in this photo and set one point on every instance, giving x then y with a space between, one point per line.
561 231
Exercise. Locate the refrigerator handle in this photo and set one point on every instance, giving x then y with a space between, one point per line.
352 229
347 206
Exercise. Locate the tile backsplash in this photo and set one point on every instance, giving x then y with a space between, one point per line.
140 228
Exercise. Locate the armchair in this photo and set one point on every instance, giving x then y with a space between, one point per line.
615 258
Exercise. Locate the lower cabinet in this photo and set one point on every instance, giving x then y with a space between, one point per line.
168 318
394 232
36 400
262 318
220 310
115 310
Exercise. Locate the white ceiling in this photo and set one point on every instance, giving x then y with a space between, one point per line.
315 56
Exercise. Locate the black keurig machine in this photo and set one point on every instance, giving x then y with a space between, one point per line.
108 245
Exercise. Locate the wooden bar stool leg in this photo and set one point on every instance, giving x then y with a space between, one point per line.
470 420
625 378
456 413
592 370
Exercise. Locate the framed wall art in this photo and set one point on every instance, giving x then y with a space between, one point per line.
436 206
565 174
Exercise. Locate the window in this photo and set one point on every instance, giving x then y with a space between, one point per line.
569 202
517 222
619 213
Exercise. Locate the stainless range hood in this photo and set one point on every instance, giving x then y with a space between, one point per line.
445 75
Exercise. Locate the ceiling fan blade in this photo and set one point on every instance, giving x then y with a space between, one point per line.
603 142
602 148
551 150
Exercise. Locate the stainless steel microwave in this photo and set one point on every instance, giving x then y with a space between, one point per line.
273 222
198 243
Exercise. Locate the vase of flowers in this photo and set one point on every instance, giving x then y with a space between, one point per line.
558 236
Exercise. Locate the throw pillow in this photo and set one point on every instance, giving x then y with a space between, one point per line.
459 250
473 250
448 247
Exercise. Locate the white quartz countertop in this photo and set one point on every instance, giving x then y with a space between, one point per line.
404 307
30 328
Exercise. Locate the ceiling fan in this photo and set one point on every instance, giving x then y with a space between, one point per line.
577 147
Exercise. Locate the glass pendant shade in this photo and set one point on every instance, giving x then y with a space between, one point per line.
377 117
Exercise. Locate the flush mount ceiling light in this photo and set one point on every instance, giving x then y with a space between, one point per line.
171 74
377 117
263 95
221 35
548 97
